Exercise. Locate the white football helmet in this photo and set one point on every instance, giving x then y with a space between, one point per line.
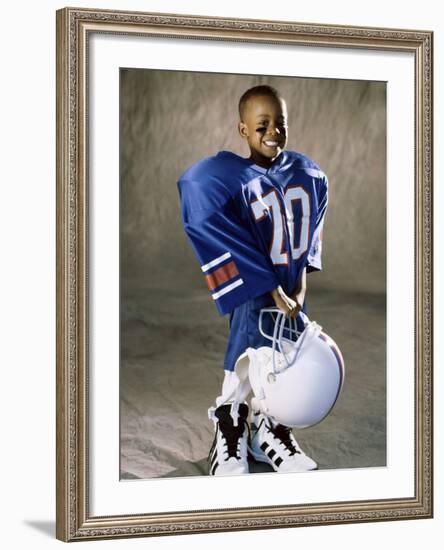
298 380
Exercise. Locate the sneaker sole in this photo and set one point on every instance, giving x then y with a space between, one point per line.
262 457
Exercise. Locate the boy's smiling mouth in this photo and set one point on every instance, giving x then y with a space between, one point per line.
271 143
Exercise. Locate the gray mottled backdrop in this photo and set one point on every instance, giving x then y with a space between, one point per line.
172 340
172 119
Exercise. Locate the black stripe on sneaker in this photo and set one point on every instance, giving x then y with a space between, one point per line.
264 446
214 468
278 461
271 453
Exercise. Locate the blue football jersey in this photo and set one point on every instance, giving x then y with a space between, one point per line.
252 228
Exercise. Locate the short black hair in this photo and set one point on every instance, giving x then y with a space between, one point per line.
255 92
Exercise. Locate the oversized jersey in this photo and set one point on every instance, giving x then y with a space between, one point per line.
252 228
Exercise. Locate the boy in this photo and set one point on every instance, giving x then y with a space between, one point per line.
255 225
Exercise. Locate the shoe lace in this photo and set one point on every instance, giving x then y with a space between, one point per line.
283 434
232 438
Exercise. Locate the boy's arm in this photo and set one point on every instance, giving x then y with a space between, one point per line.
299 294
285 303
291 305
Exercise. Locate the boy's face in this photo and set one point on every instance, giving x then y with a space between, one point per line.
264 126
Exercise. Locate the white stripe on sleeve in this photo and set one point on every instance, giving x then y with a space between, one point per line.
216 261
227 289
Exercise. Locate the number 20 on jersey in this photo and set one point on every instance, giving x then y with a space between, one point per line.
298 229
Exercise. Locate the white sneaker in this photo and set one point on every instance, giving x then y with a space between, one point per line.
275 444
228 454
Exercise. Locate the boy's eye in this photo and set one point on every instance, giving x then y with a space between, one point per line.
282 127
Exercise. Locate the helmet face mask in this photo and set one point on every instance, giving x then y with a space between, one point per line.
296 382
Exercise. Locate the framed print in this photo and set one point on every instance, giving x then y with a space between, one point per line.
182 219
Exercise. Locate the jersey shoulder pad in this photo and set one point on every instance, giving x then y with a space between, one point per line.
221 173
302 162
220 166
201 169
203 186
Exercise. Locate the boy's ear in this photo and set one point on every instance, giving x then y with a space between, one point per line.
242 127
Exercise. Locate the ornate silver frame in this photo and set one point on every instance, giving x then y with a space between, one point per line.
74 521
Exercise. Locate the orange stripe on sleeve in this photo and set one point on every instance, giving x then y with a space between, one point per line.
221 275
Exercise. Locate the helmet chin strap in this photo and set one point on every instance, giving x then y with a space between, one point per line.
312 329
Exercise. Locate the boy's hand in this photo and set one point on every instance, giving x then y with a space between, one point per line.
287 305
299 298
